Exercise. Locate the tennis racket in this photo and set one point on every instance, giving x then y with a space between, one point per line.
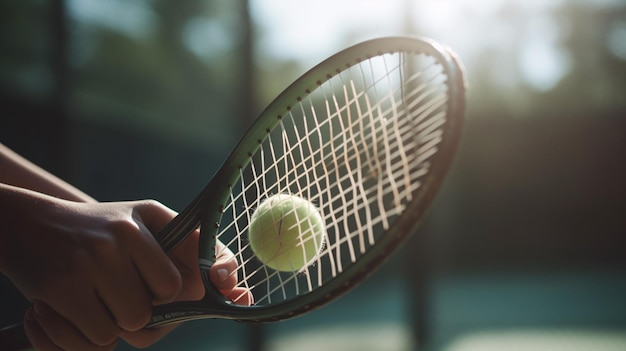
367 136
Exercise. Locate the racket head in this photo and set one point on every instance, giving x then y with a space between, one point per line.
367 135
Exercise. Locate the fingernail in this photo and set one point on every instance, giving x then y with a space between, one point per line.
223 274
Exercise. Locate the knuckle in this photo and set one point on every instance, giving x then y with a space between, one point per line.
196 292
124 226
109 347
170 287
103 336
96 245
151 203
137 320
173 286
140 343
121 233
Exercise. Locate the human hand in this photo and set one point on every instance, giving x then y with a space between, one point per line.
94 271
185 258
222 275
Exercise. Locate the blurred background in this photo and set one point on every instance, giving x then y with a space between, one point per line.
525 247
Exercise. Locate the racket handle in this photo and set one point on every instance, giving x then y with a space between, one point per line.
13 338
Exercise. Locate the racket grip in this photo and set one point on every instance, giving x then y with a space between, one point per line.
13 338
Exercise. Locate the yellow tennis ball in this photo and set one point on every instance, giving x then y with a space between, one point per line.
286 232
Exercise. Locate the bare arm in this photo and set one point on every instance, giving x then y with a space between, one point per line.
93 270
19 172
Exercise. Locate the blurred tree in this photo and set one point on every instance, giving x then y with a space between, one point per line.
156 82
597 80
25 61
594 77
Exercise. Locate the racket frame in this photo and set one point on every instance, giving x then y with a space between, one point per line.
202 212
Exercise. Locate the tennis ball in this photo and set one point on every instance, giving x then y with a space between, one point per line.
286 232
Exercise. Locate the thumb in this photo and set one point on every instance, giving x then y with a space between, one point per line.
185 257
153 214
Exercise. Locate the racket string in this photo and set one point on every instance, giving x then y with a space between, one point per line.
357 156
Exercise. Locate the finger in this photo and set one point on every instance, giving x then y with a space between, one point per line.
185 258
157 270
37 336
85 310
146 337
222 252
127 297
185 255
240 296
223 273
154 214
62 333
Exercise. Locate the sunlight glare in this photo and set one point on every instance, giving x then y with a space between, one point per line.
312 30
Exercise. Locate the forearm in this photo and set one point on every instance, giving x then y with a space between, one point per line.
17 205
19 172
